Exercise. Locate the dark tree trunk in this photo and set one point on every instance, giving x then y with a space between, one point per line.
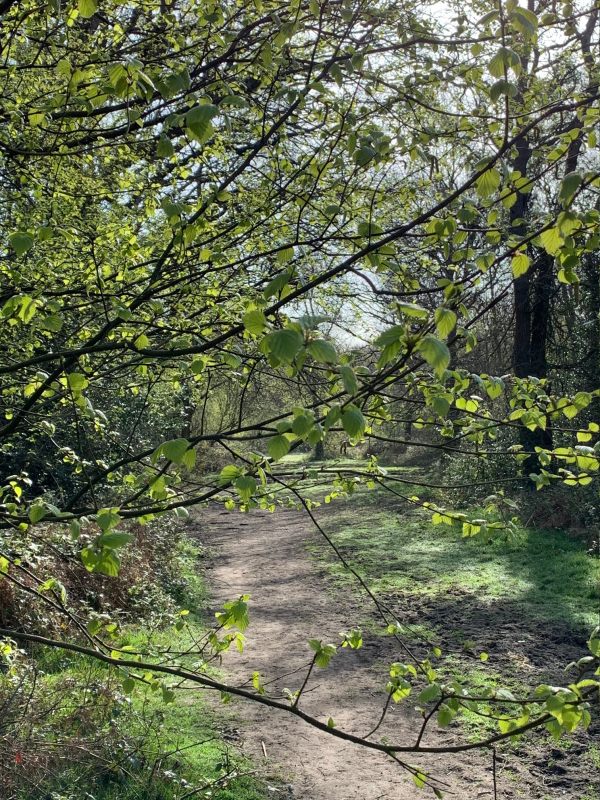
319 453
543 283
187 411
591 366
532 327
532 294
522 336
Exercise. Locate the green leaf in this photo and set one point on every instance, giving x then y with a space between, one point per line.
333 415
141 342
390 336
353 421
322 351
504 60
52 323
114 539
419 779
20 242
310 322
435 352
87 8
235 614
168 695
198 122
105 561
108 563
27 308
94 626
77 382
349 379
234 101
37 512
594 643
445 321
440 405
284 344
174 450
524 20
189 459
568 276
277 284
107 518
278 447
285 255
445 716
520 264
164 148
45 232
503 88
245 486
413 310
569 185
254 321
551 241
364 155
429 693
487 183
302 424
323 652
229 474
494 387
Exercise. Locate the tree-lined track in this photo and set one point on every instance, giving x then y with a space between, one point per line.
239 238
265 555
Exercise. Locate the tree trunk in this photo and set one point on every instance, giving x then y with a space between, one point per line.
532 293
319 452
591 367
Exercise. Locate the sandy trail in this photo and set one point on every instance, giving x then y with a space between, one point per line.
265 555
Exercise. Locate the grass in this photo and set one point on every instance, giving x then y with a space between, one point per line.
501 590
149 749
592 793
593 757
548 573
545 575
182 752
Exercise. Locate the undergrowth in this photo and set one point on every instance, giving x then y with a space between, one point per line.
70 730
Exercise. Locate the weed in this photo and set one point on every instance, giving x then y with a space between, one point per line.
593 756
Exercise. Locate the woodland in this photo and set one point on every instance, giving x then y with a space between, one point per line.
299 399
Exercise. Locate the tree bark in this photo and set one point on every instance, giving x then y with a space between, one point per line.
532 294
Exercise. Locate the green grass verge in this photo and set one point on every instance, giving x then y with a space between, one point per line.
458 589
143 747
547 573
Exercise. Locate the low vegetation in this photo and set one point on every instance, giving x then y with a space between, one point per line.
73 728
268 254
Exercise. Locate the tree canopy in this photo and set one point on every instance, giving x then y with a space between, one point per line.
232 230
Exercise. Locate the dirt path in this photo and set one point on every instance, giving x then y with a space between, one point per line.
265 555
